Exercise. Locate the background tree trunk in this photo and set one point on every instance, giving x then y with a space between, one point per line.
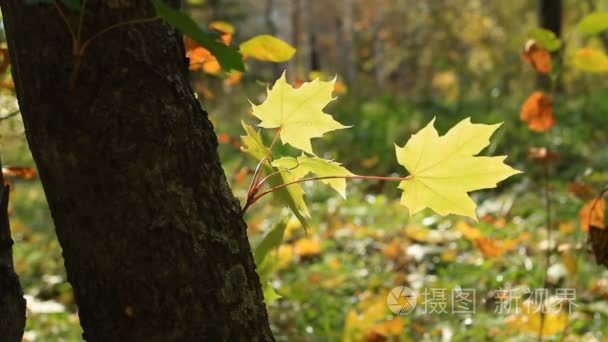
154 243
550 18
550 15
12 303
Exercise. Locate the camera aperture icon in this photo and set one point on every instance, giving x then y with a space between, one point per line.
401 300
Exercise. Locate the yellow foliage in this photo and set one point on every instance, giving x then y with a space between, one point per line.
307 247
529 321
591 60
298 113
372 321
469 233
267 48
444 169
285 255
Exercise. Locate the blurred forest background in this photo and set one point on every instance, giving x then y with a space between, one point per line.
399 63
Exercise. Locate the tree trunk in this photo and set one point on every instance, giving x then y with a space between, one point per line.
154 243
550 18
282 19
348 53
550 15
12 303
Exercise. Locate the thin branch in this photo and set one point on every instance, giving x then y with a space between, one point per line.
115 26
81 20
549 251
15 113
256 174
265 179
67 24
262 194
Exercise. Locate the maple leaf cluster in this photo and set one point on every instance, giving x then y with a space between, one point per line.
442 169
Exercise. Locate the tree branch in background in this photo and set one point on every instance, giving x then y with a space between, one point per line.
12 303
15 113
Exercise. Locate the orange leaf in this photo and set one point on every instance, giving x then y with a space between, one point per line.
226 38
393 250
197 57
223 138
19 171
592 214
493 248
190 44
542 155
469 233
580 190
307 247
538 57
212 66
234 78
222 27
537 111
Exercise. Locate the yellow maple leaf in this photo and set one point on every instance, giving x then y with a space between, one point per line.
444 169
298 113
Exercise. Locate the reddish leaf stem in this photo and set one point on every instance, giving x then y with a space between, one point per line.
254 198
254 186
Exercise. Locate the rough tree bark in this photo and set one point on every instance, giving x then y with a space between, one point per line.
154 243
12 303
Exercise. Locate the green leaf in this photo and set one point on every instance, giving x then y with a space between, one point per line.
546 39
74 5
271 241
593 23
228 57
267 48
252 143
270 295
265 270
293 195
320 167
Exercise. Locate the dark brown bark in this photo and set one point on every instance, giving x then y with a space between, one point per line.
154 243
550 15
550 18
12 303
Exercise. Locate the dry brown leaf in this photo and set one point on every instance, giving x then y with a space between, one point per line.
537 112
23 172
542 155
538 57
580 190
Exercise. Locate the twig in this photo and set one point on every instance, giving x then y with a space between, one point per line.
81 20
68 25
115 26
254 198
258 168
265 179
15 113
549 250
